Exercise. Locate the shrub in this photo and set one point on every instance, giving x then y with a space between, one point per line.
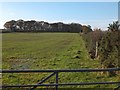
108 49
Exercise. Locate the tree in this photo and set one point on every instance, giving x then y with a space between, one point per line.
75 27
86 29
20 24
10 25
115 26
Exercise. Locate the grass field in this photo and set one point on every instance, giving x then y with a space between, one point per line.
48 51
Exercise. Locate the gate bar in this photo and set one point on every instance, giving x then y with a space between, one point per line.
62 84
72 70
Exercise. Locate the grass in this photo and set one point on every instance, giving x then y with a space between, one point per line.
48 51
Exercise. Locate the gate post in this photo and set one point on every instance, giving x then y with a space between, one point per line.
56 80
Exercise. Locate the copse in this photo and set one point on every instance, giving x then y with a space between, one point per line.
41 26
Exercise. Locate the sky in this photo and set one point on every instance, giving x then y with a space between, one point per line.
96 14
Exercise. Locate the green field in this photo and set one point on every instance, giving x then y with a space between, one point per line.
48 51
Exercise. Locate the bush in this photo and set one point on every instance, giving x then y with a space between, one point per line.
92 41
108 49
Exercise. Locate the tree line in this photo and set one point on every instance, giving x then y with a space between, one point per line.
41 26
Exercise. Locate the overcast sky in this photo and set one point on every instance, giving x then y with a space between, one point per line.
96 14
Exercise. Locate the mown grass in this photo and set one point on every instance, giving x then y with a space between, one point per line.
48 51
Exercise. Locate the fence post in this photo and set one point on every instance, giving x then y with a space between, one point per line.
56 80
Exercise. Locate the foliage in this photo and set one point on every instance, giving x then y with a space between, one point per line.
41 26
114 26
86 29
90 41
108 45
109 48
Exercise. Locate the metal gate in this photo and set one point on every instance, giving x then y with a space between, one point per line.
56 73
